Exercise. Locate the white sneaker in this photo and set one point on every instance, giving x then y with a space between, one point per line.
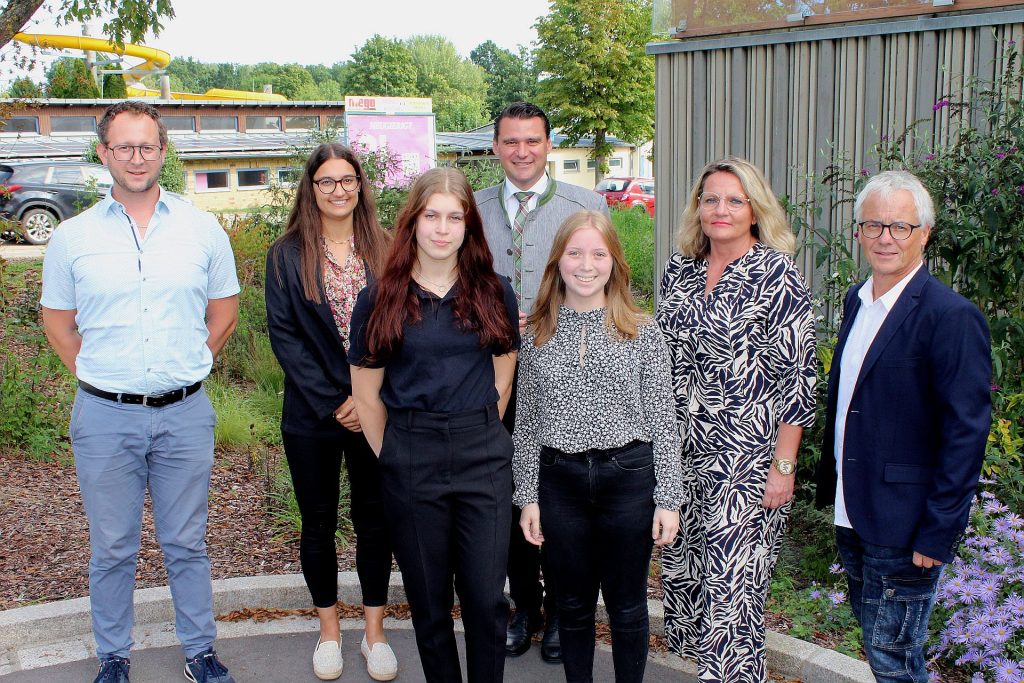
327 661
380 661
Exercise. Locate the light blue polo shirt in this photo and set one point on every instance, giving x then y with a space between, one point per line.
141 303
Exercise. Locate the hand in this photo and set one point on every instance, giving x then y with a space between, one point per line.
522 323
778 490
665 527
347 417
529 521
925 562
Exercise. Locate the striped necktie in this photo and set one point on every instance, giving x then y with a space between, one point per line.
518 229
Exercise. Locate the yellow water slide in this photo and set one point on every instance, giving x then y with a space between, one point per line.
152 60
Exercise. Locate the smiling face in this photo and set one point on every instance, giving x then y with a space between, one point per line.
892 260
137 175
722 225
522 147
585 266
339 204
440 228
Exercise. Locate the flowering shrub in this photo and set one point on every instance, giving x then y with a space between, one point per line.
979 607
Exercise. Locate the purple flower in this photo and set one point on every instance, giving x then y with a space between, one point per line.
968 593
837 598
1014 520
933 677
994 507
929 157
864 172
1006 670
940 104
815 594
988 494
995 191
1011 42
835 568
1020 190
999 555
1014 604
1000 155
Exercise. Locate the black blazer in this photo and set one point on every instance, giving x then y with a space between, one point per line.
918 421
308 346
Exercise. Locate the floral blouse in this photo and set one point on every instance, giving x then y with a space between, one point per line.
586 388
342 283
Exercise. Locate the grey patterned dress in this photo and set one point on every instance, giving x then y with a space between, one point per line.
743 360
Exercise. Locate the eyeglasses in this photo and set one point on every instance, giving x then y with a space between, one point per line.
709 201
327 185
898 230
127 152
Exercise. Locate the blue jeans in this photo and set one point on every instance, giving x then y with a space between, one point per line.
892 599
596 510
120 451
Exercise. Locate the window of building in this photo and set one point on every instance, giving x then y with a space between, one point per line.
571 165
219 123
179 124
615 162
72 124
253 123
212 181
591 164
251 178
20 124
302 122
336 122
288 176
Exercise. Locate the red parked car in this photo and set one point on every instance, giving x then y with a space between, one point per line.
632 193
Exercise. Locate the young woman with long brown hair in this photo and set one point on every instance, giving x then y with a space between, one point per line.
596 444
332 246
433 354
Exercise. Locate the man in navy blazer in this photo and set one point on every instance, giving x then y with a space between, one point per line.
909 409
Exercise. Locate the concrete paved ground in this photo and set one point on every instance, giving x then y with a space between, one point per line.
21 252
284 658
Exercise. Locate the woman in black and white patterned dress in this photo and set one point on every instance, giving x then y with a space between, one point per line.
596 444
737 318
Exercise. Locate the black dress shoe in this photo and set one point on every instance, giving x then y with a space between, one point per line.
551 645
520 632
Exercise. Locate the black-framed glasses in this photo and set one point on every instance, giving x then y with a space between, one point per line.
709 201
348 183
898 230
127 152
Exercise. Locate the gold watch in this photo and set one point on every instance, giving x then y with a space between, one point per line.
783 466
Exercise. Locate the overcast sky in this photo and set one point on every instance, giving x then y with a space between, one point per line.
320 31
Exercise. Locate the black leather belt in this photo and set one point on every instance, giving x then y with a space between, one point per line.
155 401
600 454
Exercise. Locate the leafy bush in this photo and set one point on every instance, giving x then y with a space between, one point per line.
636 231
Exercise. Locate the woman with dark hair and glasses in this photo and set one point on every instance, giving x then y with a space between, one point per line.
332 247
737 318
433 352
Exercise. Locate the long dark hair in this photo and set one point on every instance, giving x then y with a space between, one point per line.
480 299
304 223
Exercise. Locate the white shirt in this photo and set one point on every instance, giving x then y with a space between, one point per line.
512 204
141 303
870 316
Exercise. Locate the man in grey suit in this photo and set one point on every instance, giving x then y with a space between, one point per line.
521 216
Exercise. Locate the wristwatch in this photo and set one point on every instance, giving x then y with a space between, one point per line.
783 466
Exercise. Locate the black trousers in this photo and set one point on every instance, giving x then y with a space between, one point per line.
448 490
315 465
525 560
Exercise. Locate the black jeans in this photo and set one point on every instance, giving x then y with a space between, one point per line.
448 489
315 465
892 599
596 510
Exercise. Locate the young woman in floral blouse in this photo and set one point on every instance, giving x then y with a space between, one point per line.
332 246
597 460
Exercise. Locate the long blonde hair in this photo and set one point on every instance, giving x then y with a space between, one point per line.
621 314
770 227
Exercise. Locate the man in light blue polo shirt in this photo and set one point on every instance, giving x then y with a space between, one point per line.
139 296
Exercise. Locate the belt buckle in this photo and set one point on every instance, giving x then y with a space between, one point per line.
145 400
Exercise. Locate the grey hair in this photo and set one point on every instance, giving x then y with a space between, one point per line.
887 183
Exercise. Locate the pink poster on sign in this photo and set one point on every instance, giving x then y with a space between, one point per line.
409 139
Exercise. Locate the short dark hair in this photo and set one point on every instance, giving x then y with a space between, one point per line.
522 110
132 107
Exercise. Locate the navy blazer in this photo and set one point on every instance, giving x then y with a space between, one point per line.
918 421
308 346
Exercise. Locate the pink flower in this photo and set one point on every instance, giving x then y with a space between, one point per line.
940 104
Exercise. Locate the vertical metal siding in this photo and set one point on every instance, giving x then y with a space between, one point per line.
792 108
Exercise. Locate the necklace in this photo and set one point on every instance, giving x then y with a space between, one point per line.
344 241
440 287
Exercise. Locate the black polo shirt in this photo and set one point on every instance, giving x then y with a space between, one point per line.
439 367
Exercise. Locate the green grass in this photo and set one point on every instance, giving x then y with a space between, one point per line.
636 231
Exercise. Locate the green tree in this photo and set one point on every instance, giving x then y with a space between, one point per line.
291 80
70 79
510 77
381 66
599 82
457 85
172 175
125 20
114 87
25 87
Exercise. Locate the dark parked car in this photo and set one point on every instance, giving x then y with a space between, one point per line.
37 195
632 193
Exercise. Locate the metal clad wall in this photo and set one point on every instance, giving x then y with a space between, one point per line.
794 101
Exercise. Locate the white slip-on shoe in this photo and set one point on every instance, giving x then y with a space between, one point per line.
327 661
380 660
